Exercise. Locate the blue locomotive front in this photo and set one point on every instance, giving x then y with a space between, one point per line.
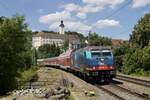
95 62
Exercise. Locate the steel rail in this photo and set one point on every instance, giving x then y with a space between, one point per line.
110 93
130 91
134 80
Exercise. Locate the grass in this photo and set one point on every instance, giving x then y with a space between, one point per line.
141 73
138 72
70 98
27 75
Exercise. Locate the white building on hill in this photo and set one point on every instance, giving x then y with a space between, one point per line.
57 38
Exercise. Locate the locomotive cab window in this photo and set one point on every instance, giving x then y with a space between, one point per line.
106 53
95 54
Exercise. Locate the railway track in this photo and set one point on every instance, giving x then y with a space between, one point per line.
121 93
110 92
131 92
134 80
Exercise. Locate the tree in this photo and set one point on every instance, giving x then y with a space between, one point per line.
45 31
137 59
15 50
119 53
79 35
146 58
132 61
65 46
141 33
47 51
95 40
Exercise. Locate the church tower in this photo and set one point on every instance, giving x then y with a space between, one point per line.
61 27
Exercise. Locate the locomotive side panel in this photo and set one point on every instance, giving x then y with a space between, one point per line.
78 61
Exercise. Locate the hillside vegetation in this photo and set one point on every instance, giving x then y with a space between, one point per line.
134 58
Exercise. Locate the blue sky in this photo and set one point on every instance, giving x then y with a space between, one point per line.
80 15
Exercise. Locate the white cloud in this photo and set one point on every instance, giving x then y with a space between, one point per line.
81 15
53 20
72 26
55 17
93 6
106 23
90 8
77 26
103 2
140 3
72 23
71 7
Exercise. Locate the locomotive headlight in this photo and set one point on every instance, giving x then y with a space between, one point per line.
111 67
102 59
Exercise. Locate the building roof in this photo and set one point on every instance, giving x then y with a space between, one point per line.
56 36
116 42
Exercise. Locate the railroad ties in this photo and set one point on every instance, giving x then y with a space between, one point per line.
121 93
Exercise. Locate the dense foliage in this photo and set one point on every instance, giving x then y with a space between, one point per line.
96 40
119 53
141 33
15 50
81 37
65 46
47 51
135 58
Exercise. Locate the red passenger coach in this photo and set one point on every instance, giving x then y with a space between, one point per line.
63 60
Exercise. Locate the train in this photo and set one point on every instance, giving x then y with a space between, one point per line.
92 62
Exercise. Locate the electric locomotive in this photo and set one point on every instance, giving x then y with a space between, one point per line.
94 62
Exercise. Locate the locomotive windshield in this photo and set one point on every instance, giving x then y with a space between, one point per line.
100 54
106 54
95 54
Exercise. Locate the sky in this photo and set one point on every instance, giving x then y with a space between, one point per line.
111 18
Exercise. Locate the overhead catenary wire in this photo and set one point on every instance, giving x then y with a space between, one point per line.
119 9
115 12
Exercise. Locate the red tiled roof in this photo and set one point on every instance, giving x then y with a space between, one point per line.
117 42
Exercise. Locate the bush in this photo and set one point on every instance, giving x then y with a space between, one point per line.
48 51
119 53
142 72
27 75
137 61
15 47
132 60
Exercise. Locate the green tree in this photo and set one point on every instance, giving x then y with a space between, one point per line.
146 58
93 39
15 50
137 59
47 51
141 33
96 40
65 46
132 61
119 53
81 37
